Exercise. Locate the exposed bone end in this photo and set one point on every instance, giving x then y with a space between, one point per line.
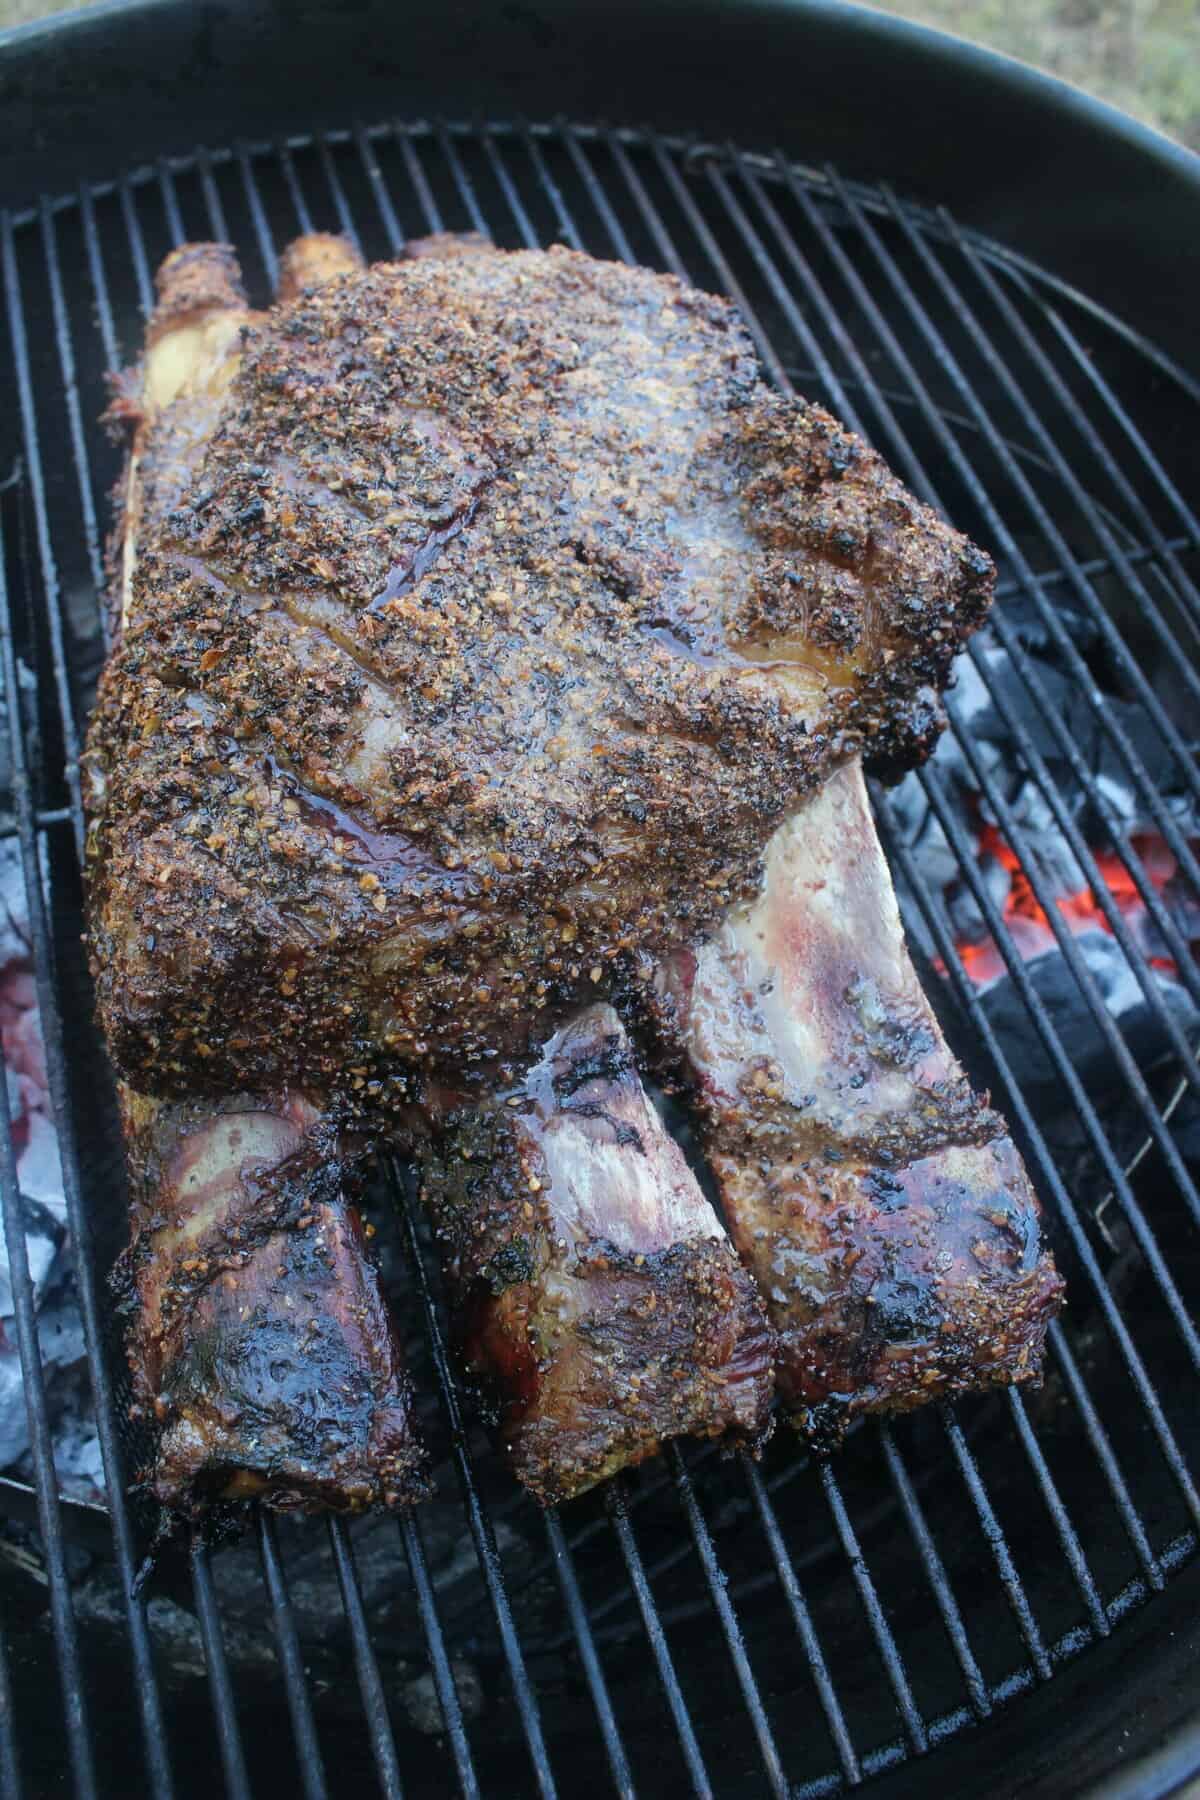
449 246
599 1305
193 281
313 260
194 330
261 1350
878 1201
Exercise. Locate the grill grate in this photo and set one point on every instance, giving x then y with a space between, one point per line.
852 1602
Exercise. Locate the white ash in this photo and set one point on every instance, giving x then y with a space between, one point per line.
44 1211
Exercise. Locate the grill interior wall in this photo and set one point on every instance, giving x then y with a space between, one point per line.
706 1623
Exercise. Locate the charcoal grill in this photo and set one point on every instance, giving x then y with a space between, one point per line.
998 1597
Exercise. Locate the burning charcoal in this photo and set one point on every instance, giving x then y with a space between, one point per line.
1186 1126
1119 800
1043 839
1030 627
1077 1029
966 916
968 691
43 1240
14 1432
1183 906
914 824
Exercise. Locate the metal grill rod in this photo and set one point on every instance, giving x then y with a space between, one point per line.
1016 836
10 1762
1067 1073
1148 524
565 223
731 1630
1149 894
258 218
947 1606
999 931
462 181
805 1630
365 145
336 194
597 195
999 367
229 1740
564 1568
295 192
95 261
170 200
1065 1531
228 1732
478 1521
1144 786
1049 1180
512 197
70 388
439 1660
291 1660
781 294
415 170
383 1744
29 432
914 1727
149 1705
1011 1582
1098 1437
1082 588
614 1502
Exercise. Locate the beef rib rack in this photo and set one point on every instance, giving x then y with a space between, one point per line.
480 620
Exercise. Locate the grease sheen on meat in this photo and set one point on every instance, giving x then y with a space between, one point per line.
489 619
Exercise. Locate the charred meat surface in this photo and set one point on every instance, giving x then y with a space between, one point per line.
483 615
261 1351
880 1203
599 1305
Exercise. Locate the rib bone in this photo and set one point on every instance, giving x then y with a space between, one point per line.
879 1202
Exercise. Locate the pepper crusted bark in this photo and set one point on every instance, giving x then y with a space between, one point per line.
880 1204
598 1304
493 615
262 1353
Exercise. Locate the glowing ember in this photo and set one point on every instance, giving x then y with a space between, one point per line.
1028 923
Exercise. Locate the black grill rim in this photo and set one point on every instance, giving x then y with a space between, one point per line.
117 81
719 167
